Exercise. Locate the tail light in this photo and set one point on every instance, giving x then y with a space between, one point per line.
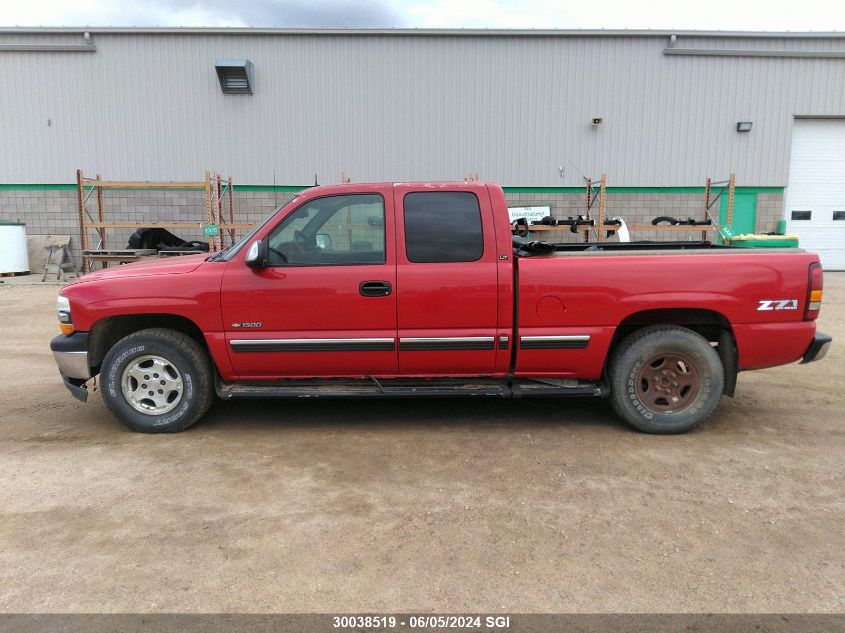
814 292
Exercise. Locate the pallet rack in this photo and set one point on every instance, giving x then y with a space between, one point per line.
728 186
592 195
216 190
600 194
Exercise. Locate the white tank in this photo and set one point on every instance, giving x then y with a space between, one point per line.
13 258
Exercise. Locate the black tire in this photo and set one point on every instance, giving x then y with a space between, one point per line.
665 219
638 394
193 367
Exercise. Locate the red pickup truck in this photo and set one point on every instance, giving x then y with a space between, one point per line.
421 289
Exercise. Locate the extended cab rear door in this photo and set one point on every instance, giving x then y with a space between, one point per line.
447 280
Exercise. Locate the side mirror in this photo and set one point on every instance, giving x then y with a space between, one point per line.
256 256
324 241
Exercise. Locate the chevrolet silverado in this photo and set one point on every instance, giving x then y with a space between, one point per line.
421 289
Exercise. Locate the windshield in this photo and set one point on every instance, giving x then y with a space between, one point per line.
228 253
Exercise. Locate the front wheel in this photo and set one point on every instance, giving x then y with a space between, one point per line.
157 381
665 379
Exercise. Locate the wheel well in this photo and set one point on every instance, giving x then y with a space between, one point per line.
110 330
710 324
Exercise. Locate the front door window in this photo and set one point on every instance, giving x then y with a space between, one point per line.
335 230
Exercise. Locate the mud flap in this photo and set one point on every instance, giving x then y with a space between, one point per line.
729 356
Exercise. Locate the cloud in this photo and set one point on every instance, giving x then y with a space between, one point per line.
289 13
267 13
637 14
500 14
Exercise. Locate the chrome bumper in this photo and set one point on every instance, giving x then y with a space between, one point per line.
73 364
71 354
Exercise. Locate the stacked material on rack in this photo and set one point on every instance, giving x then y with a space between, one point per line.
759 240
163 240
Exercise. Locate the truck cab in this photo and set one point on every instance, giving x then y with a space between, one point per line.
385 280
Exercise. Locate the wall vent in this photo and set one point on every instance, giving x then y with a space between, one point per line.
235 76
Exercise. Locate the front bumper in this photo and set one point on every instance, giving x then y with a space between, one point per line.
76 386
71 354
818 348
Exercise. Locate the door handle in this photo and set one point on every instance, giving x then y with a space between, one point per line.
375 288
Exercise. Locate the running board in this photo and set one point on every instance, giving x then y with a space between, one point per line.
557 388
405 388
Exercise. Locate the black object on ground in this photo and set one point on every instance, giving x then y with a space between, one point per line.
163 240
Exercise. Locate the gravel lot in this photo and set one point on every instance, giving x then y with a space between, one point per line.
533 506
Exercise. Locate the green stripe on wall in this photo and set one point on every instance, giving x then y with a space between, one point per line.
664 190
4 187
566 190
238 187
55 186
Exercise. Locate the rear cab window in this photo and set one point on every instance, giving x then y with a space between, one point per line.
442 227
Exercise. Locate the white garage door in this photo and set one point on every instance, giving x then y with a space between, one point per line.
815 198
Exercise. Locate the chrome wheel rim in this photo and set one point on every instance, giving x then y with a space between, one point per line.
152 385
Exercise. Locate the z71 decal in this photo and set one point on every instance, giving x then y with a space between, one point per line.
778 304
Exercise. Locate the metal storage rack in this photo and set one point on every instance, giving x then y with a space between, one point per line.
600 194
216 190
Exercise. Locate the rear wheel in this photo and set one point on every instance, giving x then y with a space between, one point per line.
157 381
665 379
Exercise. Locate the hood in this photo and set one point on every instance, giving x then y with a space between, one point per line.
172 265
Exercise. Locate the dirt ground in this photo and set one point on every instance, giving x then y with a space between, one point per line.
532 506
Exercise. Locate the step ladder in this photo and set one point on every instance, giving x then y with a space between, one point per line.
58 261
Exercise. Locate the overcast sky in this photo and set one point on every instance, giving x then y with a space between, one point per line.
792 15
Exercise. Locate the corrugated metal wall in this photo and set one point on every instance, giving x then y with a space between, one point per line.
398 107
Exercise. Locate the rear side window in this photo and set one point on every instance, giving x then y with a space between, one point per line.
443 226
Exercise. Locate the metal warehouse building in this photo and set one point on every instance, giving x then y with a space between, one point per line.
537 111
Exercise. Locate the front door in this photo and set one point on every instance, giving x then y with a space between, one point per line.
448 281
325 306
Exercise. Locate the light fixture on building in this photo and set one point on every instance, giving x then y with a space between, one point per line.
235 76
597 121
743 126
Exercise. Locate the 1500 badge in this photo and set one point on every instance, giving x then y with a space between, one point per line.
778 304
248 324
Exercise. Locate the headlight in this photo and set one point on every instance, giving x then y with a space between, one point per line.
63 310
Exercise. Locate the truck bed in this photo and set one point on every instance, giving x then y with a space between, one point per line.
591 290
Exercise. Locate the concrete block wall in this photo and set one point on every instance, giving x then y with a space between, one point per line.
769 211
54 211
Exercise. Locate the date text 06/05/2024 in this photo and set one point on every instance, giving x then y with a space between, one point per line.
387 622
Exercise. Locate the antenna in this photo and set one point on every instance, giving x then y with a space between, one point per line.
315 179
